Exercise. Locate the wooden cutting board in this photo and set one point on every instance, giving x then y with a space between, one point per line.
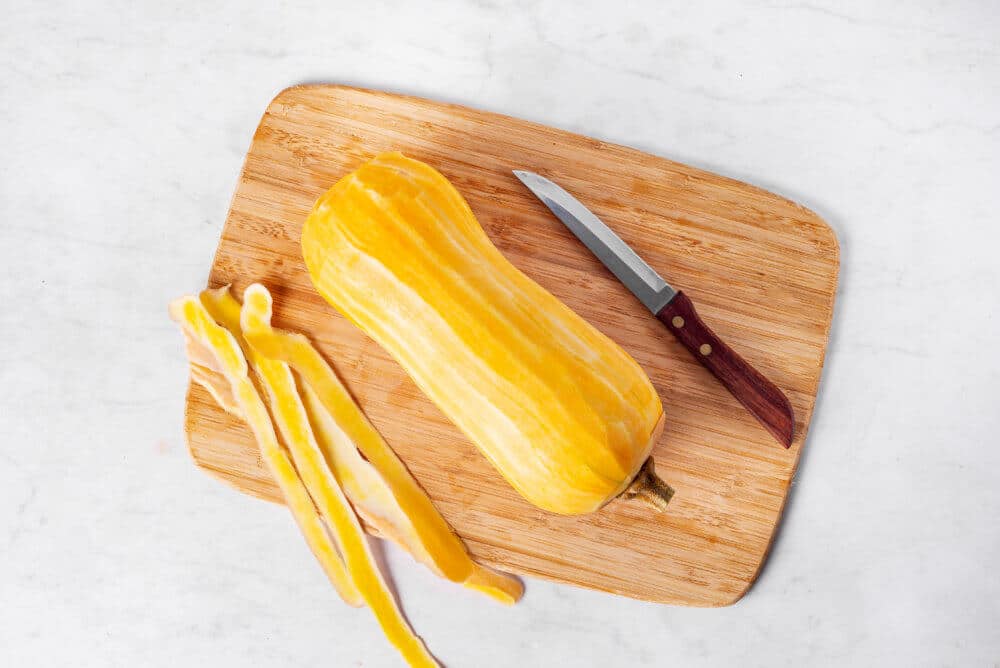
761 269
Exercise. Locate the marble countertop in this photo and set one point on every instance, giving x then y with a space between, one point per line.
123 130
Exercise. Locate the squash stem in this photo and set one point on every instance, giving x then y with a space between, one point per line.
650 488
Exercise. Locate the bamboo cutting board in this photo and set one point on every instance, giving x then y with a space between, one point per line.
761 269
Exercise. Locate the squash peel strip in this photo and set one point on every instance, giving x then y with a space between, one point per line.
379 485
293 423
205 371
202 331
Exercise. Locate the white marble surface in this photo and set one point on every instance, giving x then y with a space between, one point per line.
122 130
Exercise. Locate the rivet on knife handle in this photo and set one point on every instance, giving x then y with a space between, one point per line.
759 395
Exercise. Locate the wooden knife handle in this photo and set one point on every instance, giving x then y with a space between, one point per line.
760 396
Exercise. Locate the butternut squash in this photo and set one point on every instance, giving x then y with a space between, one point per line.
564 414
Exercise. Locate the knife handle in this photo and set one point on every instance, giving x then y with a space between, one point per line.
759 395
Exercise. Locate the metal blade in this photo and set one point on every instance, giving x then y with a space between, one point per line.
639 277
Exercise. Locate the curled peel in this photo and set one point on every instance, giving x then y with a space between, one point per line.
227 358
378 484
293 422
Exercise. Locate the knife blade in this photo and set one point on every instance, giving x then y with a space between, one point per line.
672 307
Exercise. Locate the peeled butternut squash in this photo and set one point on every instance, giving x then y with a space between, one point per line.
565 415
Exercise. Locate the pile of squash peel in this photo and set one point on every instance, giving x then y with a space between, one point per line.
333 467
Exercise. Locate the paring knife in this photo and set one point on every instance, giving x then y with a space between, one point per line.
672 307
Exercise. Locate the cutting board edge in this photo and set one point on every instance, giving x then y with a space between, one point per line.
814 394
238 485
278 100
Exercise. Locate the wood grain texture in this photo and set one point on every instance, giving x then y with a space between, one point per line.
762 269
760 396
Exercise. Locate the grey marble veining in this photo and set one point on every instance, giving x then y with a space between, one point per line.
122 131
